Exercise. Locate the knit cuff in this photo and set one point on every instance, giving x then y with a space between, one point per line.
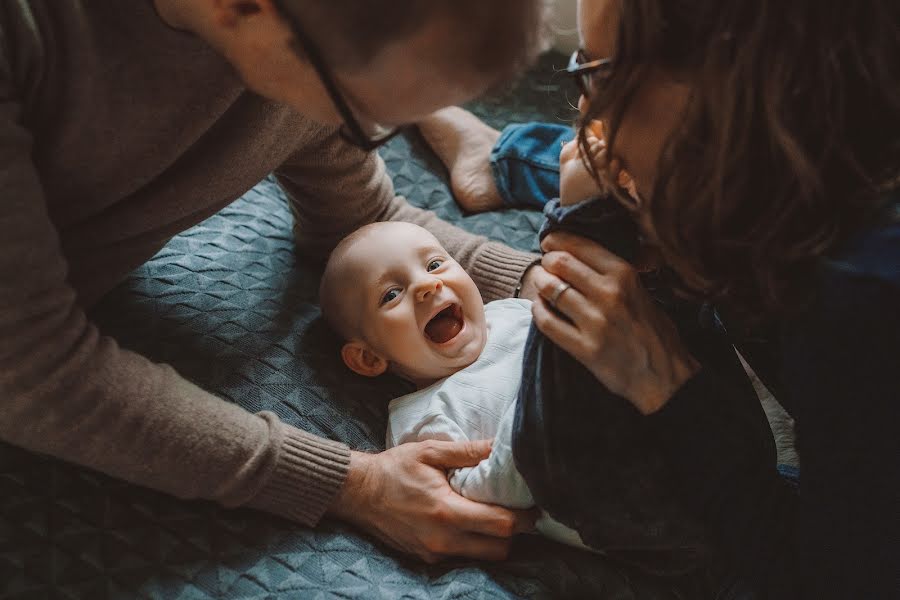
307 477
498 269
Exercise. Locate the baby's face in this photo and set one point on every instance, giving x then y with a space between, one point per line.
417 308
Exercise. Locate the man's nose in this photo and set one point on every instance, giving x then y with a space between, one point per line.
428 287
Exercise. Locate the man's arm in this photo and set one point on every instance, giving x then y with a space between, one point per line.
68 391
335 189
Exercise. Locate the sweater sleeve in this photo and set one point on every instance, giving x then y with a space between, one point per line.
838 537
69 391
335 188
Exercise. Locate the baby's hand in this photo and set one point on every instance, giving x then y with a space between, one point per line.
576 182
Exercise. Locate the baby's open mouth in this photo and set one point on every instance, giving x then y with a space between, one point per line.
445 325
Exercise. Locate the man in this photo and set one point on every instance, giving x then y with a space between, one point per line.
122 124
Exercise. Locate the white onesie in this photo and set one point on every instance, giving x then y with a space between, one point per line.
479 403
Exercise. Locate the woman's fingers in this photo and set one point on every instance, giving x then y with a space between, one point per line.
548 286
558 330
592 284
592 254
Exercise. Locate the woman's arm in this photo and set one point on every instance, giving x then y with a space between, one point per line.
839 537
612 325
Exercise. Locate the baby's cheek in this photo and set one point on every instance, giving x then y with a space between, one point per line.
400 333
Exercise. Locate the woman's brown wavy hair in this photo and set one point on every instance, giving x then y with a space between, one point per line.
790 138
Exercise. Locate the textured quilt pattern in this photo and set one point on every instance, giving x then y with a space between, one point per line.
230 305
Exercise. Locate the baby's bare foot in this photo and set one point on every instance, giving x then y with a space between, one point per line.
463 143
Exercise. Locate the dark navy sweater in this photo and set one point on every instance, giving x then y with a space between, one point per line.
835 367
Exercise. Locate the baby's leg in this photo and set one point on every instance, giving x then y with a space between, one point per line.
490 169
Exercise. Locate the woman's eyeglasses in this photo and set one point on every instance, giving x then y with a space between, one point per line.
586 72
352 131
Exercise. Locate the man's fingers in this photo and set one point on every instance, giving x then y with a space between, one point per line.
488 519
454 455
483 547
526 519
468 545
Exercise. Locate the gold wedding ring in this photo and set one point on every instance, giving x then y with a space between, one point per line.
557 292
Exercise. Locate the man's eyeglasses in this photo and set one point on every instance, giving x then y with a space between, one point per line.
585 70
352 131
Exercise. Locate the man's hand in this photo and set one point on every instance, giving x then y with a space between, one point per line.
402 497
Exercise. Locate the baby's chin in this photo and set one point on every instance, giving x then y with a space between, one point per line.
441 365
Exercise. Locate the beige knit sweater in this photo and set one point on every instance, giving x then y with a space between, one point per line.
116 133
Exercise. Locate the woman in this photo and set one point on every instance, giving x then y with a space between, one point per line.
762 141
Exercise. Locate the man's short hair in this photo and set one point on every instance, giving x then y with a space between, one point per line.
499 37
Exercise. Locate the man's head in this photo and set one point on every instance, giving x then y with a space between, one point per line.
393 61
401 303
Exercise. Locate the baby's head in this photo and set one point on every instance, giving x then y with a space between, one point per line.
402 304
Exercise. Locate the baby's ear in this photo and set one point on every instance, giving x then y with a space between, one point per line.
363 360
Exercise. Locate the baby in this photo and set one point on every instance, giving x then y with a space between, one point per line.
403 305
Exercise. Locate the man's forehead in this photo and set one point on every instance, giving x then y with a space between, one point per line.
412 77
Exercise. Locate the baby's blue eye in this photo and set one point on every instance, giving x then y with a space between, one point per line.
436 263
390 295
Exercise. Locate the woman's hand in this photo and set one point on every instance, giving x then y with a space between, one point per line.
616 330
402 497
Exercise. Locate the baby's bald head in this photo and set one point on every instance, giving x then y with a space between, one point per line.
401 303
362 252
336 302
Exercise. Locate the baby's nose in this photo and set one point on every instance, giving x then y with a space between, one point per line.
429 287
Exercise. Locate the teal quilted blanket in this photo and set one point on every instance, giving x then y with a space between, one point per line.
231 306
